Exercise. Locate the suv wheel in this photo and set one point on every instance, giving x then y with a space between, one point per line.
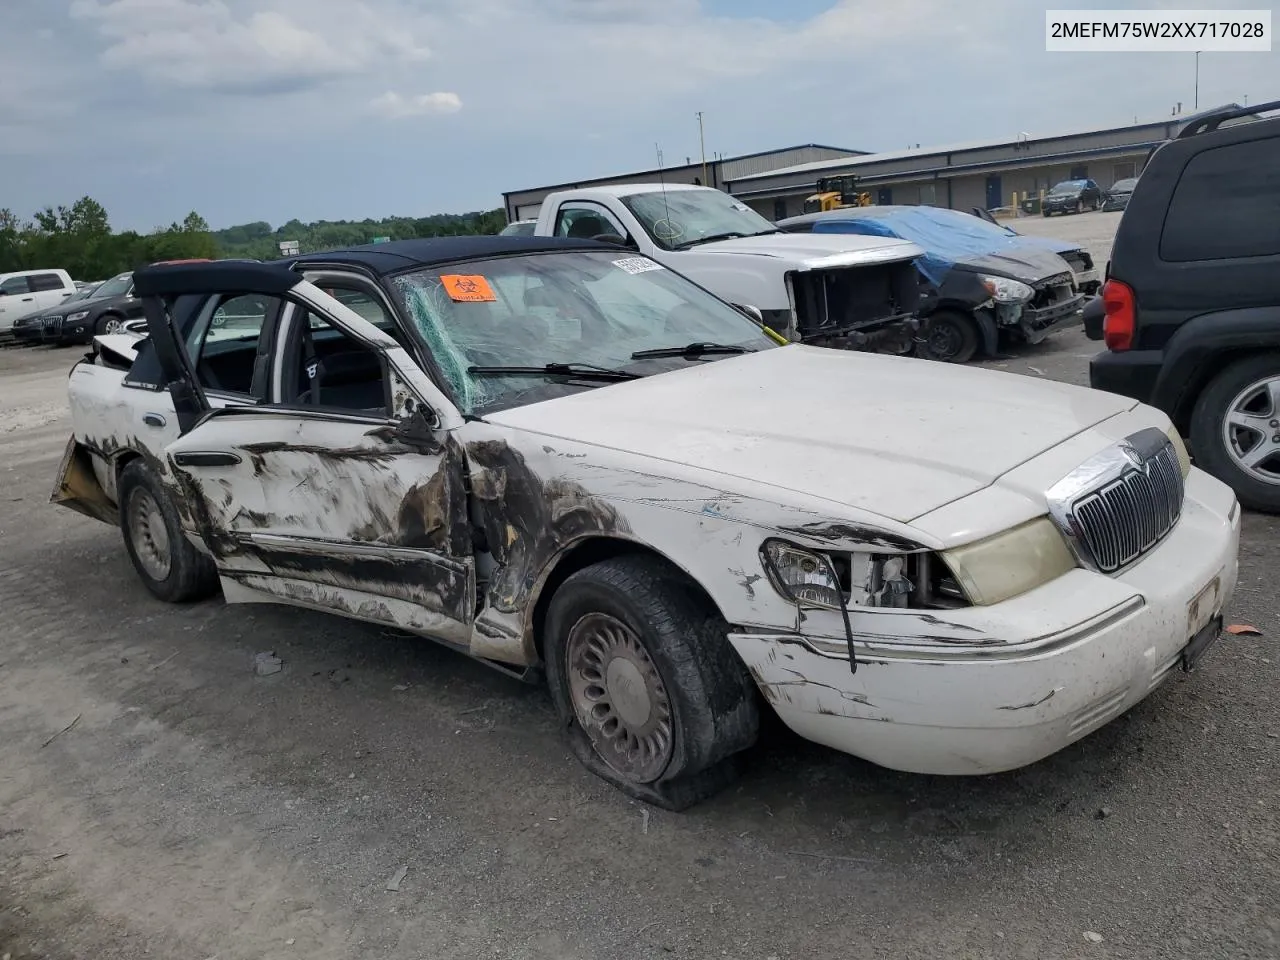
1235 430
948 336
110 323
652 696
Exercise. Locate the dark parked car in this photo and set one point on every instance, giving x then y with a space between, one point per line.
1119 194
31 329
111 304
1193 308
1072 196
980 281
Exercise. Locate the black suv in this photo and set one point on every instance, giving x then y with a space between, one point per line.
1192 296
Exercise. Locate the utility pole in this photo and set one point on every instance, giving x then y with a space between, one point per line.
1197 79
702 144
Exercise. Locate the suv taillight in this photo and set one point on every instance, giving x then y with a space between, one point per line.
1121 309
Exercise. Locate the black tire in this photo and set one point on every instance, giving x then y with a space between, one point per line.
709 701
100 325
1045 214
948 336
1079 206
1210 446
190 574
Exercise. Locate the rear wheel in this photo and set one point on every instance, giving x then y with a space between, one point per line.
652 696
949 337
1235 430
172 569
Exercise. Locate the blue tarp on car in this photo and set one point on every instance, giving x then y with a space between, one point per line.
946 235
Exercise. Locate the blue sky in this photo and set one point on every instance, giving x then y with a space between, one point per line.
272 109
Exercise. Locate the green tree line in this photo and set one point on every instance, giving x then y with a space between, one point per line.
80 240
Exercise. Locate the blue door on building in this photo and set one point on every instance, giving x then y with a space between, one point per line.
995 197
884 197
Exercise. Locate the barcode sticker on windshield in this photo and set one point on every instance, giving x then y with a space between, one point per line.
634 265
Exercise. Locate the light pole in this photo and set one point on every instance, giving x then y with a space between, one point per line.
1197 79
702 143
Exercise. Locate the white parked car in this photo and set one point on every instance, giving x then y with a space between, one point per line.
25 292
562 458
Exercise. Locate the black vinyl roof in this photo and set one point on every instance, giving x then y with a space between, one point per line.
277 277
400 255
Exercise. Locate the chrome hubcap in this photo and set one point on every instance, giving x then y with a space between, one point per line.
1251 430
114 325
619 697
149 535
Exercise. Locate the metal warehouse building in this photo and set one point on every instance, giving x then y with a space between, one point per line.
962 176
524 204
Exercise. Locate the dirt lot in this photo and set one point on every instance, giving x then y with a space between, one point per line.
192 809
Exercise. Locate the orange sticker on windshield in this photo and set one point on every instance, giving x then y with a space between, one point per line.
468 289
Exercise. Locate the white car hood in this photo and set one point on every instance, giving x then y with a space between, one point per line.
893 436
809 251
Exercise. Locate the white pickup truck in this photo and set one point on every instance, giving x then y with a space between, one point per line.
824 290
567 461
31 291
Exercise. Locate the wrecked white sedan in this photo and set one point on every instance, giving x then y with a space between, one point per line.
563 458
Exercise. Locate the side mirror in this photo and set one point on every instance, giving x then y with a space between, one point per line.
752 312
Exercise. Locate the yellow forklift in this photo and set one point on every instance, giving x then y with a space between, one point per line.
835 193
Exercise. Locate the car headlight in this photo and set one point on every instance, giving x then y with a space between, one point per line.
802 576
1010 563
1004 290
72 317
1180 448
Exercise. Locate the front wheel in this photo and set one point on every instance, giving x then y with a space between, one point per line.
1235 430
110 323
949 337
652 696
172 569
1079 207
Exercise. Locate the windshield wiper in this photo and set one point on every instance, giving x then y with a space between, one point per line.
729 235
690 350
579 371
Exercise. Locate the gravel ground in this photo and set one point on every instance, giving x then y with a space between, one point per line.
192 809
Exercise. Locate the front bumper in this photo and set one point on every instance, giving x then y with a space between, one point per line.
1038 324
956 708
27 333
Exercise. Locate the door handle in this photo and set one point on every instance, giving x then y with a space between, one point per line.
153 420
28 299
205 459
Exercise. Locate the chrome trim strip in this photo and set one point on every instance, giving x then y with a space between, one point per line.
888 648
346 548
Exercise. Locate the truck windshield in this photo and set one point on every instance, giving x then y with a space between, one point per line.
589 312
675 219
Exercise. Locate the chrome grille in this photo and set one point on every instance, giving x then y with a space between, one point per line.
1119 505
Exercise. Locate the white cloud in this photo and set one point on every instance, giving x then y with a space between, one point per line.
395 107
209 44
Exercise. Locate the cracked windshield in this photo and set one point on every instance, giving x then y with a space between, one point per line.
517 330
678 219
